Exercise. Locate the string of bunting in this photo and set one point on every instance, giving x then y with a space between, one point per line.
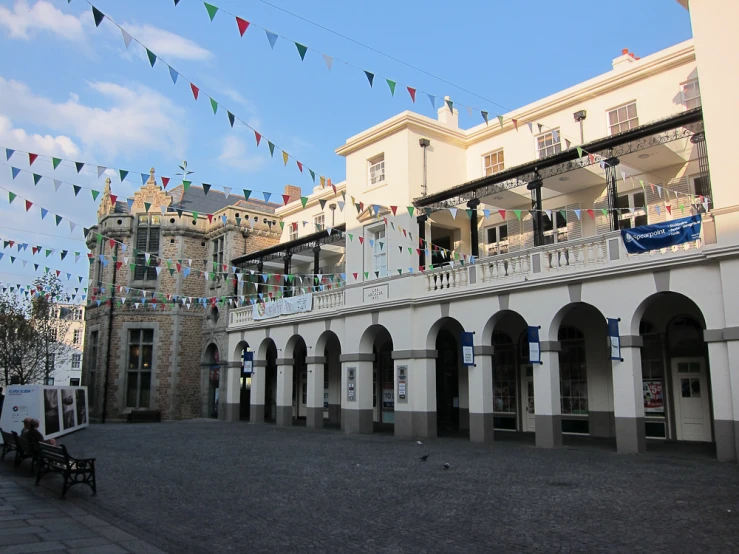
176 75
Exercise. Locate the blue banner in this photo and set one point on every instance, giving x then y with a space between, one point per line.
614 339
468 349
247 363
661 235
534 348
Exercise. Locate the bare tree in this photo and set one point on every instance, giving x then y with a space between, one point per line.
20 352
51 321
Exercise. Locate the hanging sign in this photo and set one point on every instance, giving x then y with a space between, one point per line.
613 339
468 352
248 363
534 347
283 306
661 235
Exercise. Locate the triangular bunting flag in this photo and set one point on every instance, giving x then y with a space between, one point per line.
97 16
370 77
152 57
328 60
211 9
302 49
243 25
272 38
195 90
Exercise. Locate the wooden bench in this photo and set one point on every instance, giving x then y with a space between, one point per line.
8 443
75 471
144 416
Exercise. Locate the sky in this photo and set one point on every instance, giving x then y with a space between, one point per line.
72 90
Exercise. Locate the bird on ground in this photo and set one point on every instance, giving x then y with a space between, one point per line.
447 466
424 457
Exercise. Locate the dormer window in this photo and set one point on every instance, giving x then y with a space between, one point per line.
376 170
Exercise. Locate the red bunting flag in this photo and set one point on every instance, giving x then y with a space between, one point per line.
28 205
334 187
355 275
502 213
111 242
195 90
113 199
118 265
210 218
361 206
592 158
165 181
300 166
361 241
669 209
591 213
243 25
412 92
32 158
258 136
393 209
515 123
286 198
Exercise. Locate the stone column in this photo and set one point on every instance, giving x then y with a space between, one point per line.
415 416
356 393
284 415
547 406
481 395
628 398
232 411
258 380
719 363
314 400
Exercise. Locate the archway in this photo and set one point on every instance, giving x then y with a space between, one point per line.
452 407
244 395
675 369
297 350
513 379
329 346
377 340
267 355
585 373
212 361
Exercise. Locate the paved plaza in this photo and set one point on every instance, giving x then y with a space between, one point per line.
219 487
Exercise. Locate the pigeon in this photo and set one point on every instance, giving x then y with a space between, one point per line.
419 442
424 457
446 466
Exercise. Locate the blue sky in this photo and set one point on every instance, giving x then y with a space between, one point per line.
72 90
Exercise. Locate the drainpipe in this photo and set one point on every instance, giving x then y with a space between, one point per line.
110 335
424 143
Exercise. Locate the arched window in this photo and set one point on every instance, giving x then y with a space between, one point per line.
573 375
504 374
685 337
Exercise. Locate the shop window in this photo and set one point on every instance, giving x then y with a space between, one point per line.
685 337
140 359
632 210
653 379
573 372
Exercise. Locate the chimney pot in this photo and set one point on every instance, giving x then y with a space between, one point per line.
624 51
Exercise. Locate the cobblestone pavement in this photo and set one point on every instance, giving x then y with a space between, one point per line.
220 487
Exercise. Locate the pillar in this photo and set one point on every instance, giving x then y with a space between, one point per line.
314 400
421 219
258 381
628 398
612 186
415 415
481 395
725 425
284 415
474 238
548 420
232 406
356 393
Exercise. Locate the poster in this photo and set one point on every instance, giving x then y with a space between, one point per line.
283 306
534 350
468 352
68 412
51 411
60 410
661 235
388 398
614 339
653 400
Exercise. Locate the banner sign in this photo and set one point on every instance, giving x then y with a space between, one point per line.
534 349
60 410
468 351
248 363
653 401
661 235
614 339
283 306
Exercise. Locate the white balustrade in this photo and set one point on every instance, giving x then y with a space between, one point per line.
582 253
328 299
447 277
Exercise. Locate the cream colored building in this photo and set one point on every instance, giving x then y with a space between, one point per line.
520 228
67 361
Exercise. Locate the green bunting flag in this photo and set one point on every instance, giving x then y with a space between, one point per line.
147 205
500 120
518 214
36 178
410 211
271 148
391 84
186 185
366 274
123 174
58 219
214 105
282 225
152 57
212 10
11 197
579 152
301 50
304 200
55 162
95 194
247 194
312 175
195 216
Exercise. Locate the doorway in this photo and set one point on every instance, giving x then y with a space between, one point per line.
447 381
383 382
527 399
692 406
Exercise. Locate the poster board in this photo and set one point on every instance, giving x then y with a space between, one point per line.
60 410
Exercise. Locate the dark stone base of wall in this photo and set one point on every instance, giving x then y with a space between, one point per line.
548 431
481 427
356 421
631 437
314 418
284 415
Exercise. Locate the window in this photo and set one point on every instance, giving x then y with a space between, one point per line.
496 239
548 143
555 227
573 380
74 381
701 186
319 222
293 231
504 374
376 167
76 336
379 252
691 94
147 241
76 361
493 162
77 315
140 357
218 246
623 118
632 210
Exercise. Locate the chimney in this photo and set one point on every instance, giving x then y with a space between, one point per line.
624 61
294 192
449 118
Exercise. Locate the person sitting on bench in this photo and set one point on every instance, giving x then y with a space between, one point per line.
26 427
34 435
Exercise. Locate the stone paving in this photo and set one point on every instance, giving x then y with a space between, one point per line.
220 487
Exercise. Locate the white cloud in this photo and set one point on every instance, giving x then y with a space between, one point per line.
19 139
134 119
234 154
168 45
235 96
24 20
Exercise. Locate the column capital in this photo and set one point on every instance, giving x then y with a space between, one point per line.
315 360
474 203
484 350
357 357
414 354
550 346
632 341
285 361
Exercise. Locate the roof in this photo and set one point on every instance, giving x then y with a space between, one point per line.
194 199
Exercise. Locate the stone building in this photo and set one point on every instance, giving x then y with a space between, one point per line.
159 269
